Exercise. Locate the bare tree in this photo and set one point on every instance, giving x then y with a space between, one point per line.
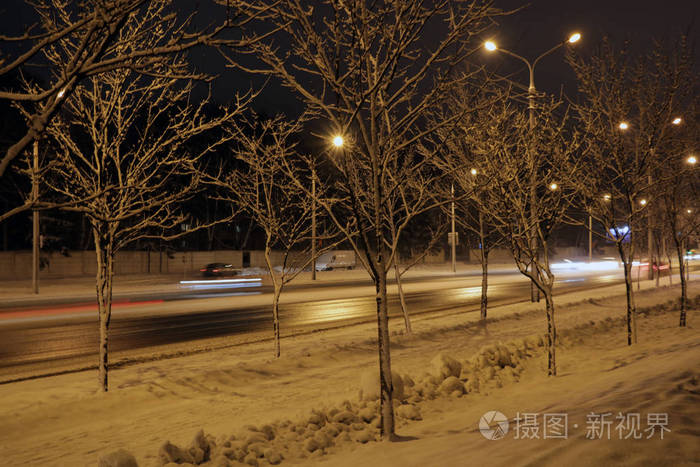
678 186
627 113
75 40
124 161
471 218
370 71
508 151
434 235
267 193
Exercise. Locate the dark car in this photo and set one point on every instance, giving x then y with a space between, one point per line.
218 270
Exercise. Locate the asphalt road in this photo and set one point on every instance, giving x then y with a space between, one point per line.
73 335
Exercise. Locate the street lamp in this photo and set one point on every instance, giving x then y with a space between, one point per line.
531 94
473 171
553 186
692 160
623 126
643 202
338 141
677 121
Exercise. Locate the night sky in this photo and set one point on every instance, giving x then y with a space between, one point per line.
535 29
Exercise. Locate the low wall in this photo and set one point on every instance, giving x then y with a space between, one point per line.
18 264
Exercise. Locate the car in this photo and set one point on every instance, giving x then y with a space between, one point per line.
336 259
219 270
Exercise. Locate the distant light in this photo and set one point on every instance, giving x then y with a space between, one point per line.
643 202
574 37
473 172
619 232
553 186
677 121
338 141
606 197
689 211
61 93
623 126
691 160
490 46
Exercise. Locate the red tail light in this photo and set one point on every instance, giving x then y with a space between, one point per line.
214 270
203 270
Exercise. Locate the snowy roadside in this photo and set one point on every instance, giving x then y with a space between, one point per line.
63 421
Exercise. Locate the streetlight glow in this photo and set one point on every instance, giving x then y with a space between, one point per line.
61 93
490 46
606 197
574 37
643 202
473 171
677 121
553 186
623 126
692 160
338 141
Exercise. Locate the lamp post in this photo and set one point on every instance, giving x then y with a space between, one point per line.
313 222
35 219
590 238
453 234
531 95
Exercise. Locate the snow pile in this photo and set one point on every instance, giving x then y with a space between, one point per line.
311 437
324 430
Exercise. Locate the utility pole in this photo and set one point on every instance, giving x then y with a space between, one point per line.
453 235
313 223
531 95
590 238
35 219
650 241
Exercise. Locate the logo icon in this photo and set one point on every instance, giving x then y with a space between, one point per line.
493 425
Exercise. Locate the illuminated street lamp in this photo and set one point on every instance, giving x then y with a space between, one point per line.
553 186
338 141
677 121
692 160
531 94
623 126
473 171
643 202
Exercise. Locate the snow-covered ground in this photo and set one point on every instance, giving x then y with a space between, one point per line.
63 420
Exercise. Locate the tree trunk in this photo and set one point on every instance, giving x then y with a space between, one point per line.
276 318
551 333
383 344
402 299
629 288
484 268
104 276
277 287
684 283
667 254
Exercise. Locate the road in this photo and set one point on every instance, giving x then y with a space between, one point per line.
50 335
